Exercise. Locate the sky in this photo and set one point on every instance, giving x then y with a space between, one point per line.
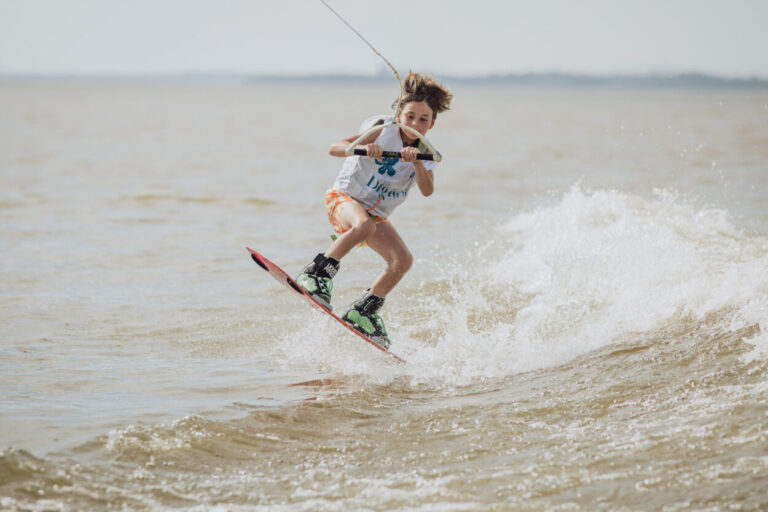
451 37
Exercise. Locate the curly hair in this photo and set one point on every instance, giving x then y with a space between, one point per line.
417 87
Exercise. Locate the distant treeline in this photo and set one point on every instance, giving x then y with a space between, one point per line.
653 80
682 80
693 80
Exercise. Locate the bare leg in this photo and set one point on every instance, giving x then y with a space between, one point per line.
359 226
387 243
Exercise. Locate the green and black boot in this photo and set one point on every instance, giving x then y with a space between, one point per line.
363 316
317 279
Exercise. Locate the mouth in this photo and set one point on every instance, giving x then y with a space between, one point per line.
407 136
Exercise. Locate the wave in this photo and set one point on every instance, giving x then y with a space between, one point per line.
644 317
597 268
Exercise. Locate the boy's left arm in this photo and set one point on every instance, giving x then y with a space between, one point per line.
424 178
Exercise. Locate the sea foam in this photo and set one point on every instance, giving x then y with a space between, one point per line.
597 268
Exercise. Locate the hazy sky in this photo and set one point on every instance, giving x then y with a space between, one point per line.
727 37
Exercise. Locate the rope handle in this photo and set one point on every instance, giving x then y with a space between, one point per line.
395 154
435 156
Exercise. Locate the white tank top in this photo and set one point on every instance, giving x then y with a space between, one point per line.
379 186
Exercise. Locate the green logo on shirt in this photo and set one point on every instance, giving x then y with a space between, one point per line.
387 165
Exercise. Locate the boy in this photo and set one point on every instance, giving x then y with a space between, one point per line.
366 192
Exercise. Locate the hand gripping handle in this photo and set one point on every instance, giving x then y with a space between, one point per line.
396 154
436 156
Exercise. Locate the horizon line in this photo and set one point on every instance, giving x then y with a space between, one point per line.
523 78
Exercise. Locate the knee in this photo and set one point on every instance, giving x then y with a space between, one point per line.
402 262
364 230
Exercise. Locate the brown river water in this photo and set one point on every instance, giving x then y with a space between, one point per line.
585 323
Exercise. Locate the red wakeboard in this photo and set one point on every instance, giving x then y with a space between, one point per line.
280 276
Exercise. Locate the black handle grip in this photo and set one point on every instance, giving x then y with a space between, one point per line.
395 154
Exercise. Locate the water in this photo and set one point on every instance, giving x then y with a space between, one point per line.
585 323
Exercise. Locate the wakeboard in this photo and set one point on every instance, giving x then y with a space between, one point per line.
281 277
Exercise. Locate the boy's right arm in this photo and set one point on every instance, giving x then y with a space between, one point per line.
339 148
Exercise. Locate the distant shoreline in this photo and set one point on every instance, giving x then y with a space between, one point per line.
654 80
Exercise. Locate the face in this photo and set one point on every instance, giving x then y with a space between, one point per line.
416 115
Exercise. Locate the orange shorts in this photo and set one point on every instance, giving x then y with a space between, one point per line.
334 202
